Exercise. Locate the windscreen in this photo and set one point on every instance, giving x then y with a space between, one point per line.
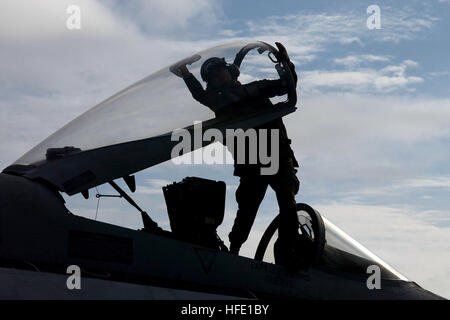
157 104
344 253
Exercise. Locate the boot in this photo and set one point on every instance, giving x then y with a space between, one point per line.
293 255
234 248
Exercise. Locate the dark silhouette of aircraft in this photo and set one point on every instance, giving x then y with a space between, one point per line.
131 131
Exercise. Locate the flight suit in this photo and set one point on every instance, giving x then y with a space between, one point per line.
252 188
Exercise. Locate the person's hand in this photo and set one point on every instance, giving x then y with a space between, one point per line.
282 53
180 70
183 71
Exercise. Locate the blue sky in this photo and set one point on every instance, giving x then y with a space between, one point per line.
372 130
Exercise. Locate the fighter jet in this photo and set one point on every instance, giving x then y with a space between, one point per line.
42 243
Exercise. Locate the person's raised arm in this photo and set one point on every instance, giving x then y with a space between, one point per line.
283 55
194 86
272 88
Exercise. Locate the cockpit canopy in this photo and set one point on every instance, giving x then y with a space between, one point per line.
131 130
152 106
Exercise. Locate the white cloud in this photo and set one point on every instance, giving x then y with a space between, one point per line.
372 139
38 20
403 24
153 186
22 20
396 189
355 60
399 185
169 17
306 35
147 190
442 182
387 79
438 74
228 33
158 182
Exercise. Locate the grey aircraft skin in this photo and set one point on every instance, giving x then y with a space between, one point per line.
40 237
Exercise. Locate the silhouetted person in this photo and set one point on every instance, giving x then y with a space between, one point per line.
225 94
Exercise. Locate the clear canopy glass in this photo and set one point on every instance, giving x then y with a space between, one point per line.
153 106
344 253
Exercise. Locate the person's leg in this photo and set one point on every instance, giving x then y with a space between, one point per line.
249 195
286 184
